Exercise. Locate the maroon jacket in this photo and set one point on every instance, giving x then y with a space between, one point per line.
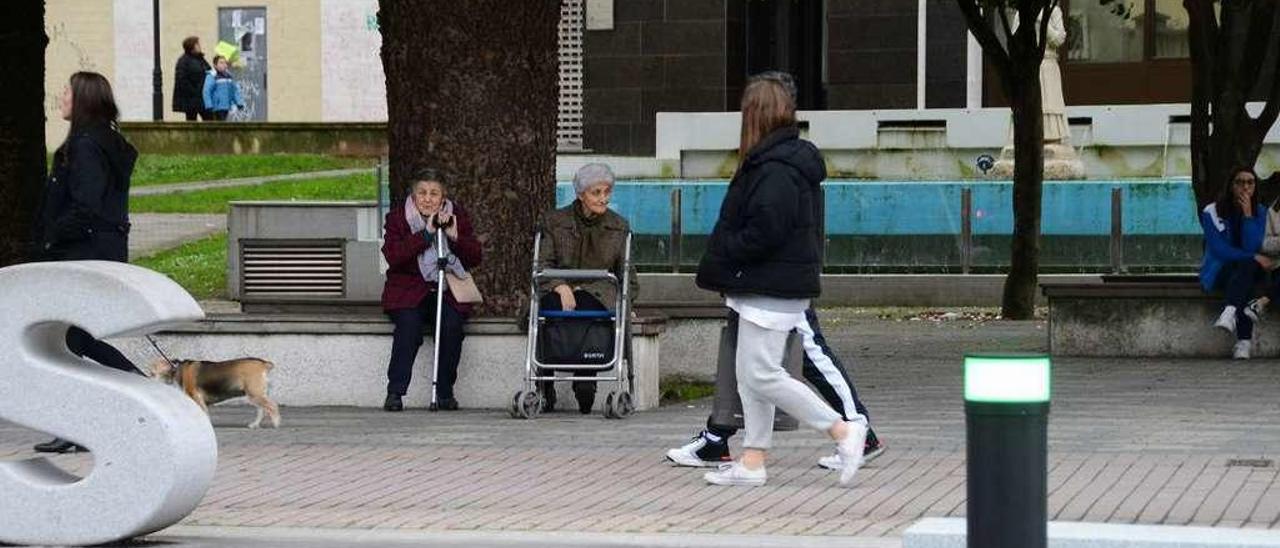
405 287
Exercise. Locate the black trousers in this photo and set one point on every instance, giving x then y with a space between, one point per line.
585 301
407 337
205 115
1237 281
82 344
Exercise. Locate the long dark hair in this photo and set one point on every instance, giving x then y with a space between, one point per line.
1226 202
92 102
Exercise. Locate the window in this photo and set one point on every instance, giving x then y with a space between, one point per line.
1171 23
1111 33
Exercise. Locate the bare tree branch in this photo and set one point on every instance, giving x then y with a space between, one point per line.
985 35
1269 113
1008 29
1044 26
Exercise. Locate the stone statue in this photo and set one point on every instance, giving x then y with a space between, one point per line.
154 451
1060 159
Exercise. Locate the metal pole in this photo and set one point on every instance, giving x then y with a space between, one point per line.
922 45
157 78
966 230
1117 231
1006 423
676 230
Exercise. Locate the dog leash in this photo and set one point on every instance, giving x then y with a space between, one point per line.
162 354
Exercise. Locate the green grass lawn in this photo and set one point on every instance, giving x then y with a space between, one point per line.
154 169
351 187
198 266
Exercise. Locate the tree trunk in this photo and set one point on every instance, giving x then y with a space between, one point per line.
22 151
1018 302
472 90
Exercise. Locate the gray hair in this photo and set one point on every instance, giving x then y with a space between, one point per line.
591 174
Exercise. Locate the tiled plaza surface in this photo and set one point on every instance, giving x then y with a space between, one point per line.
1131 441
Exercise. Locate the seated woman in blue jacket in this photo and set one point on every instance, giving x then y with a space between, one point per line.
1234 226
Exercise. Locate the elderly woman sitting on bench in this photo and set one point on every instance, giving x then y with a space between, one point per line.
585 235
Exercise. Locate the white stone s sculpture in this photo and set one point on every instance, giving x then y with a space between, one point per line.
154 451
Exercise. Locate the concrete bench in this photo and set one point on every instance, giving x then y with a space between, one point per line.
1142 316
342 359
951 533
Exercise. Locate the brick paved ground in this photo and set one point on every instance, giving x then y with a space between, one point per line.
1131 441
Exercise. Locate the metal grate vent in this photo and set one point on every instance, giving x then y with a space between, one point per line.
291 269
569 122
1249 463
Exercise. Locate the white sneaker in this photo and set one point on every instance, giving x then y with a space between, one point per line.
1255 310
700 452
1227 320
733 473
850 451
835 462
1241 351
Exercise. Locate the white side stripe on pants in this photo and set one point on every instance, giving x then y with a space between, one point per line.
825 366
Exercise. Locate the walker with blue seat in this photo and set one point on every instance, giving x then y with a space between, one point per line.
619 403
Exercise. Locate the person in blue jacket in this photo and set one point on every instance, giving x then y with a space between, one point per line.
221 91
1234 226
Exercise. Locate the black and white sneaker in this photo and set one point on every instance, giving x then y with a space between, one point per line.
705 450
1255 310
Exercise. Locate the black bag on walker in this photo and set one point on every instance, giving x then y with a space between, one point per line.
577 337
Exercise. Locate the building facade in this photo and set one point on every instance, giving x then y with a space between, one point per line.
624 61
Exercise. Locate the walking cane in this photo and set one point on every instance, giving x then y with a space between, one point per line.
442 261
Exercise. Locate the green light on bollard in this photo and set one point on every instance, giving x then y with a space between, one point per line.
1012 378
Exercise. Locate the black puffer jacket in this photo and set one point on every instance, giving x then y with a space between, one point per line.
85 211
766 239
188 82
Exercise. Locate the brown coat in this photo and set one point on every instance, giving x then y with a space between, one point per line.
561 248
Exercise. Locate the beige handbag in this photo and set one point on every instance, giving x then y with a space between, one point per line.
464 290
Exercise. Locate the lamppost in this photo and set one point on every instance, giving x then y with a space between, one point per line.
1007 416
157 94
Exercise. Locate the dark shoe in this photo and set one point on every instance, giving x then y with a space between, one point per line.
447 404
393 403
586 395
548 390
706 450
872 449
59 445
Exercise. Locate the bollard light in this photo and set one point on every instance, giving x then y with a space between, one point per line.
1006 419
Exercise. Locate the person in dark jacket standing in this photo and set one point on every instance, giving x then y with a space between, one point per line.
84 214
763 257
409 296
188 81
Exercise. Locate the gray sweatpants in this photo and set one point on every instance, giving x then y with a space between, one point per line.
764 384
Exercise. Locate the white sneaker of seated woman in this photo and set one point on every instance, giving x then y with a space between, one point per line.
1242 350
734 473
1227 320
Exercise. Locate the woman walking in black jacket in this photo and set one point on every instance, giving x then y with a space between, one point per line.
763 257
85 211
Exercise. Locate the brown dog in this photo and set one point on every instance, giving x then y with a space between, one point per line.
208 383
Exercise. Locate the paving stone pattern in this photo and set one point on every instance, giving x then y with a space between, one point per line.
1131 441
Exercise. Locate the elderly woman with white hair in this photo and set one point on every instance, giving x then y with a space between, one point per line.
585 234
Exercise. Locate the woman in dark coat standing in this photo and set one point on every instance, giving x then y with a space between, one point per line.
84 214
409 296
188 81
